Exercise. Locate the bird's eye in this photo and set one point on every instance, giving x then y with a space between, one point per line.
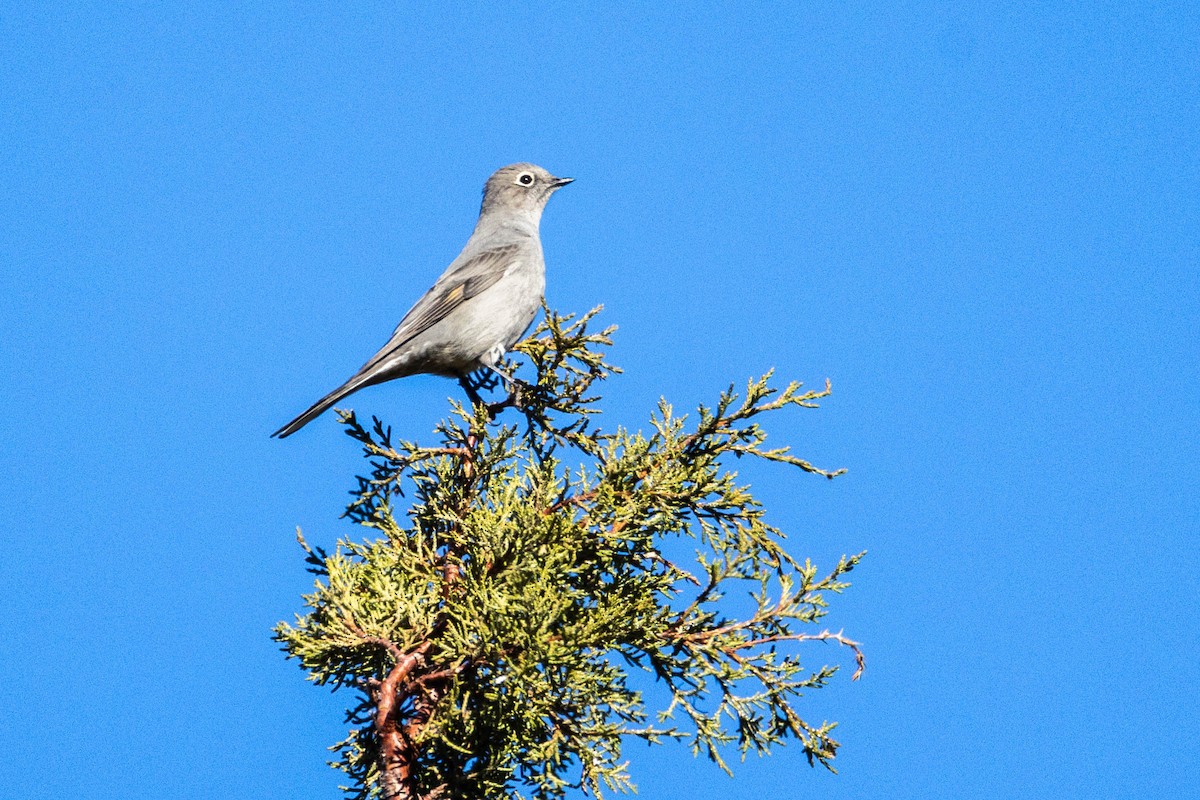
525 179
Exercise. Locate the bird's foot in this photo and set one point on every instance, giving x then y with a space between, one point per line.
515 399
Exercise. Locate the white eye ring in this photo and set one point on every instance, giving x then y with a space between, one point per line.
526 179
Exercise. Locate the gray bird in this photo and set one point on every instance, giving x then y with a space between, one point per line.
483 302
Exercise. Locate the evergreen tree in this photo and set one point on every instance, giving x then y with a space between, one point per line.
490 636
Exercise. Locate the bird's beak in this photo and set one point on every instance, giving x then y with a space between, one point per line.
558 183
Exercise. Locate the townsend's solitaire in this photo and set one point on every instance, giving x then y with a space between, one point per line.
483 302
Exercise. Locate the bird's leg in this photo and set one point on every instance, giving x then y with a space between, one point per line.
513 385
481 379
509 380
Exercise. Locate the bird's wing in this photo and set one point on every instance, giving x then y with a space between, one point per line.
459 284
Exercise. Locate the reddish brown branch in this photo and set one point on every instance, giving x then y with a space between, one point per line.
575 500
859 659
683 573
387 644
396 754
397 739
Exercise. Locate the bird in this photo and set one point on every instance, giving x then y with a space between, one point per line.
480 306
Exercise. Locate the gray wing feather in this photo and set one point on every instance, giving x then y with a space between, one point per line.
458 285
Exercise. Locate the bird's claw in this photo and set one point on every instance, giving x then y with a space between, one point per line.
515 399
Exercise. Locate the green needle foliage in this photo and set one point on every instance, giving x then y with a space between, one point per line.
490 632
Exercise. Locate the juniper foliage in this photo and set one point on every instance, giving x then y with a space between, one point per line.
490 631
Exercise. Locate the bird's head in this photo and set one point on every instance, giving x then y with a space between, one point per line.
521 188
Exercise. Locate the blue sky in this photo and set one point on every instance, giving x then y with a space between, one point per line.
981 221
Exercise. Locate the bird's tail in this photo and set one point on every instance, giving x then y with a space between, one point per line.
321 406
